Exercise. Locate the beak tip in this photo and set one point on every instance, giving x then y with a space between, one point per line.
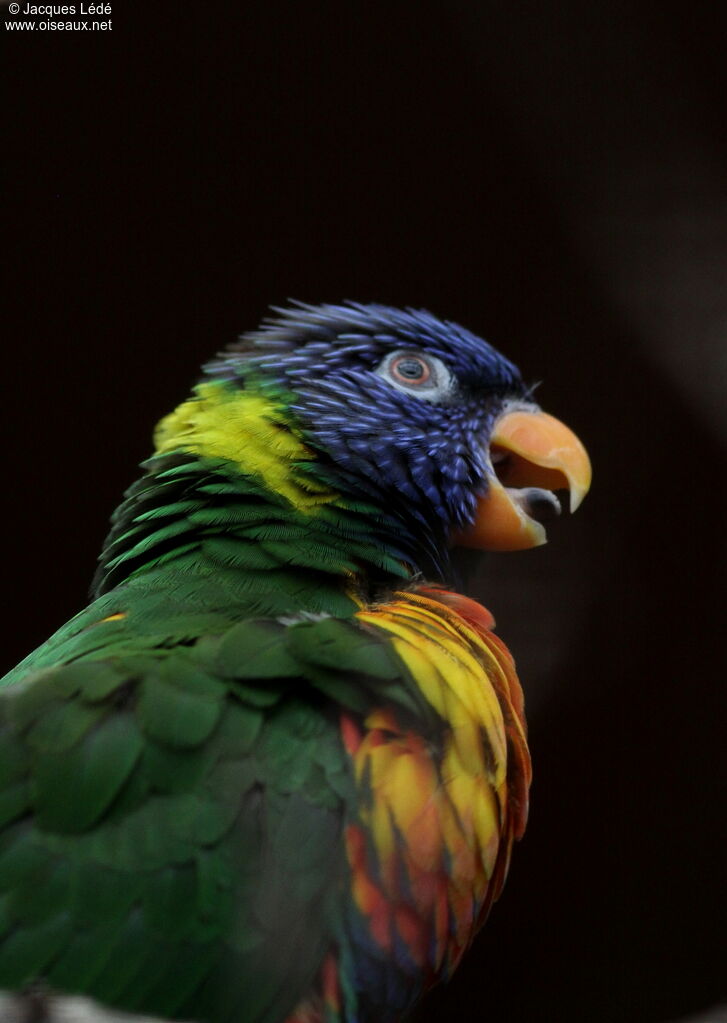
578 490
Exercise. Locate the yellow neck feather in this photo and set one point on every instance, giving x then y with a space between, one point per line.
251 431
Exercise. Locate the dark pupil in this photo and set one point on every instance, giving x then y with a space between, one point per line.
412 369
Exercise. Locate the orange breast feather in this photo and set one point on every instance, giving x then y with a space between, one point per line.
430 847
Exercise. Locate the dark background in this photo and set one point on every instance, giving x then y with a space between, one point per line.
555 180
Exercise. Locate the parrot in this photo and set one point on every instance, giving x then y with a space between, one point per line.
273 773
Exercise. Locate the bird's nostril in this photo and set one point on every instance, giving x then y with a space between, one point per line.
541 505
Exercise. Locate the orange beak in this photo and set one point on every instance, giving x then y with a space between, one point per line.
532 455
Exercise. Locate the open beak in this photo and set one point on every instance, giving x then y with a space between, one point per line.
532 455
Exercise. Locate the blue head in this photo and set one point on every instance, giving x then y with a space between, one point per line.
400 405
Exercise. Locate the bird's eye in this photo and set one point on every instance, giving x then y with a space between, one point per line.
410 369
423 375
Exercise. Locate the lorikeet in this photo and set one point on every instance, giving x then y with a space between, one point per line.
275 770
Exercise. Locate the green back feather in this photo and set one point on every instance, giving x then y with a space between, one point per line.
172 817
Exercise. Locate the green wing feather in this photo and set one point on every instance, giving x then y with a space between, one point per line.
171 817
